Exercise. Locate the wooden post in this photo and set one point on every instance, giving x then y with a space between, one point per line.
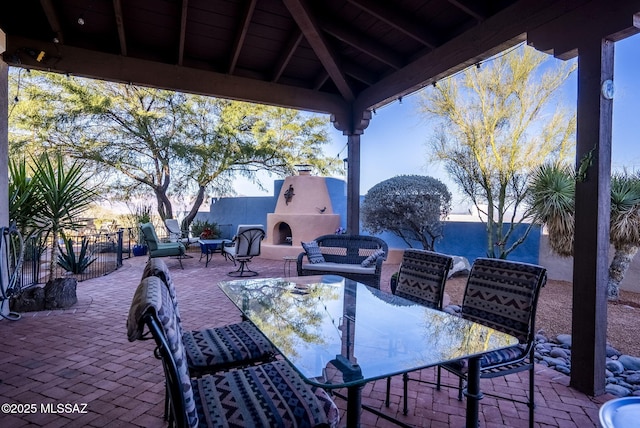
353 184
593 199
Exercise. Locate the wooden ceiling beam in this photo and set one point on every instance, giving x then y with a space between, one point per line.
389 13
596 20
241 34
117 68
497 33
304 18
293 43
117 9
470 8
52 17
183 31
363 43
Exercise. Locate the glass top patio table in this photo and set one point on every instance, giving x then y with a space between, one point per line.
340 333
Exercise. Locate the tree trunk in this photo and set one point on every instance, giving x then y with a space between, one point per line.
618 267
194 209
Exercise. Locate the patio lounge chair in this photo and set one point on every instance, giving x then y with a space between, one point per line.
177 235
503 295
161 249
245 246
271 394
421 279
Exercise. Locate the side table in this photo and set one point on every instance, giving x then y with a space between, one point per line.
288 260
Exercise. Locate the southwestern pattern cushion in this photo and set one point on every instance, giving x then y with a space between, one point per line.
313 252
422 277
156 267
152 295
226 346
268 396
372 258
489 359
502 294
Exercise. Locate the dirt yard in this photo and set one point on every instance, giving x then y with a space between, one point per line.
554 313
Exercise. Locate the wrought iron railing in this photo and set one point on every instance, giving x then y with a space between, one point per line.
108 249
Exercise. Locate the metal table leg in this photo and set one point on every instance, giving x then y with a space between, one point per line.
354 405
472 392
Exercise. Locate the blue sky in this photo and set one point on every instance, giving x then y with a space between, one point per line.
395 141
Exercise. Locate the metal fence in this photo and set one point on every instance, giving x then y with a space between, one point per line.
106 249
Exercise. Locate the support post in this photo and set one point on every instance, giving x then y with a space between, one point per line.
592 212
4 164
353 127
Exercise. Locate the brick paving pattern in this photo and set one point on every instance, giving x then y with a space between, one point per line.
82 356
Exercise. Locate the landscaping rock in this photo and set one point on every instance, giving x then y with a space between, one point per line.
617 390
30 300
615 366
60 293
564 339
461 266
629 362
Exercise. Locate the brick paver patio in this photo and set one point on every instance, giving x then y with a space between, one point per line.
82 356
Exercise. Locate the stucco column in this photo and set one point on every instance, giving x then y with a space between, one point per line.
4 161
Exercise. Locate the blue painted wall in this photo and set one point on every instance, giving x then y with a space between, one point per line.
467 239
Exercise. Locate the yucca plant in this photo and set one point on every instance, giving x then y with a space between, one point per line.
552 192
68 260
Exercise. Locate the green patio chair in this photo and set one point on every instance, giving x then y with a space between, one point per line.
161 249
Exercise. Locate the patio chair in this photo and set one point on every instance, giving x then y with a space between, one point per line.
161 249
215 349
271 394
421 279
178 235
503 295
245 246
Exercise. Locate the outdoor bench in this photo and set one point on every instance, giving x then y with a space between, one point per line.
344 255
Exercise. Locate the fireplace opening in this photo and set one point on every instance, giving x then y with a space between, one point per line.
282 234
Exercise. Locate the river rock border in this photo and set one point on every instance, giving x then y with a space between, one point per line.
622 371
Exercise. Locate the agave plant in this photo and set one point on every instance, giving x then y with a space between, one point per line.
68 260
552 193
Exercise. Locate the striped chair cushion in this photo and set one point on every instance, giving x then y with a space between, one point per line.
268 395
225 346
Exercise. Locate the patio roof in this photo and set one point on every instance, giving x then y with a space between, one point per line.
336 56
344 58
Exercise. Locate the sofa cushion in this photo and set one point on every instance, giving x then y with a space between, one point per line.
339 267
313 252
373 258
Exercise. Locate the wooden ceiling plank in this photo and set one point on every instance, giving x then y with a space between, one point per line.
117 9
241 34
287 53
313 34
183 31
117 68
390 15
52 17
470 8
363 43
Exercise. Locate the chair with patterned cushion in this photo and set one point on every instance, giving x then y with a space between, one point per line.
503 295
421 279
215 349
271 394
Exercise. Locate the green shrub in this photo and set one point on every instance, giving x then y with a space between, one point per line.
68 260
199 226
